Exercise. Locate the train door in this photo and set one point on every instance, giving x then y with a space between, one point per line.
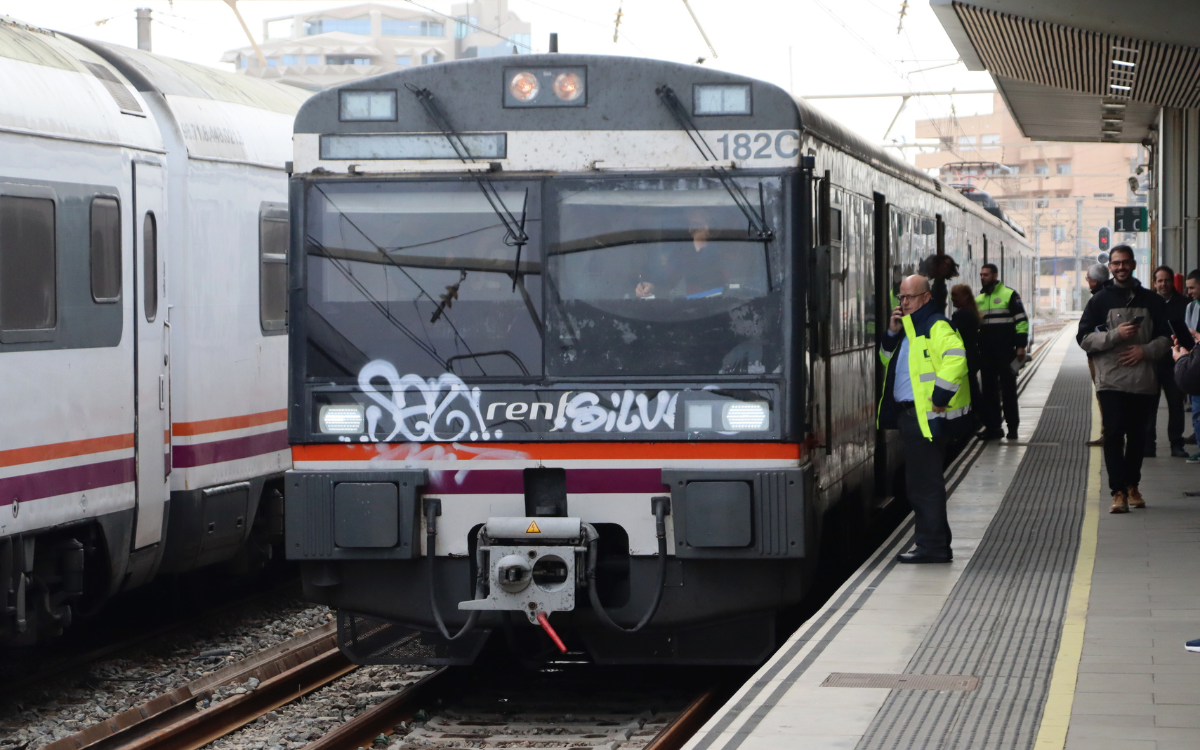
885 300
152 434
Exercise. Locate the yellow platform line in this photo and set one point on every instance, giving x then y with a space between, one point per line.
1056 718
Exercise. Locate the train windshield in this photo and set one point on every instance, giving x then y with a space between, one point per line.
637 277
661 277
421 275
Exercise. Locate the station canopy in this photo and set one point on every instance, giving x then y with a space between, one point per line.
1082 70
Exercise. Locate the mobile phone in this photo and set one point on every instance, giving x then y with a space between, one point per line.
1182 334
1137 321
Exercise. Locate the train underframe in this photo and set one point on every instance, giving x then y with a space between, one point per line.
720 597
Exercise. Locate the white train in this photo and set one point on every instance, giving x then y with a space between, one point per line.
143 346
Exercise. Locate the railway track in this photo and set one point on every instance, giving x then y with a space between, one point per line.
574 706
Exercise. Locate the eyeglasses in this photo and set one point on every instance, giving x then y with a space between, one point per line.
1112 262
906 297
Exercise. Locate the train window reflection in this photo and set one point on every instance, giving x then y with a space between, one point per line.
105 249
272 279
422 276
150 266
28 297
661 277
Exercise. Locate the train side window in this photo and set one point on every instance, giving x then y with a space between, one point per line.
273 235
28 273
105 250
150 265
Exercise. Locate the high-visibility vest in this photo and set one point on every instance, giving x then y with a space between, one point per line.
994 310
937 364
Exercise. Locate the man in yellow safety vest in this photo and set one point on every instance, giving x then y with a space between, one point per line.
1003 336
927 397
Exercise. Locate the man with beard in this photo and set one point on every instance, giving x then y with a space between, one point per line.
1124 329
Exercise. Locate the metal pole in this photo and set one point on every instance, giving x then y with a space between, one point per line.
143 28
1078 300
262 59
1037 270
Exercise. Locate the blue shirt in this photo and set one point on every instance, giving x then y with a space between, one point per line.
902 389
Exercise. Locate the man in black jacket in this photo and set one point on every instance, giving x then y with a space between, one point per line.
1124 329
1003 336
1176 305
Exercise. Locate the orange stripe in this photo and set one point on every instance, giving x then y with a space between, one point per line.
65 450
563 451
207 426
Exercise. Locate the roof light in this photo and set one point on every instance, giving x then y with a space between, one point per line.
366 106
722 99
1119 87
568 87
1123 62
524 86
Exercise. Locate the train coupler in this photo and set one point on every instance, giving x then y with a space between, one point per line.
532 564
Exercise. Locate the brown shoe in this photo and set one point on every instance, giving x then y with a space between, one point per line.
1135 498
1120 503
1097 443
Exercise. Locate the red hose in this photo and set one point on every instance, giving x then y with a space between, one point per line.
545 623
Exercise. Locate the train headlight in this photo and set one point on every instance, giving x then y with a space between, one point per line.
524 86
531 87
568 87
341 419
745 416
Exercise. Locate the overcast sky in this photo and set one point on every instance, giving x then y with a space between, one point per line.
814 46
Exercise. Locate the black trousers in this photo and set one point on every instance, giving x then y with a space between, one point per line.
999 380
1125 416
924 460
1174 413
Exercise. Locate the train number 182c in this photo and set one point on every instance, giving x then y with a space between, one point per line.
782 144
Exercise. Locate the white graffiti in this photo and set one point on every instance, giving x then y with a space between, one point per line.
463 454
445 409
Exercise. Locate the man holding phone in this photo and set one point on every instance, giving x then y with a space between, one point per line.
1124 329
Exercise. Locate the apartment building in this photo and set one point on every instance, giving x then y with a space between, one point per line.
1061 192
322 48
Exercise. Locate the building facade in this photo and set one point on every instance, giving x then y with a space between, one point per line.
1061 192
322 48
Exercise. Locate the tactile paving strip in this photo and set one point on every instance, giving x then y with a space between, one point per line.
1003 619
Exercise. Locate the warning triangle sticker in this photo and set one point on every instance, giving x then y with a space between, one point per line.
533 528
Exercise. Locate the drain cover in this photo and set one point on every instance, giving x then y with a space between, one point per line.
902 681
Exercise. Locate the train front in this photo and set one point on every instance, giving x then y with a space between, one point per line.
547 361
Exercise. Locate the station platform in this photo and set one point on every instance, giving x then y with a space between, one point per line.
1057 625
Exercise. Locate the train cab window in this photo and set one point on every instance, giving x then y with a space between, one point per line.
273 235
150 266
105 249
28 291
656 277
420 274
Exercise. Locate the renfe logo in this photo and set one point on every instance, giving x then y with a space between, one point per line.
517 410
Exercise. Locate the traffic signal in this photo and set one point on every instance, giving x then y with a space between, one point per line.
1104 236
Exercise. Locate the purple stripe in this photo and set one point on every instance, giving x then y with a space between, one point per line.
63 481
202 454
485 481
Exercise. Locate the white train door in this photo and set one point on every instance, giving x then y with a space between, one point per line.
151 348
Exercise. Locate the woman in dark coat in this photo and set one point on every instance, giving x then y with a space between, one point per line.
966 322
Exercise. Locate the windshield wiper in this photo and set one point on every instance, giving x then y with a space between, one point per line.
758 224
514 230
